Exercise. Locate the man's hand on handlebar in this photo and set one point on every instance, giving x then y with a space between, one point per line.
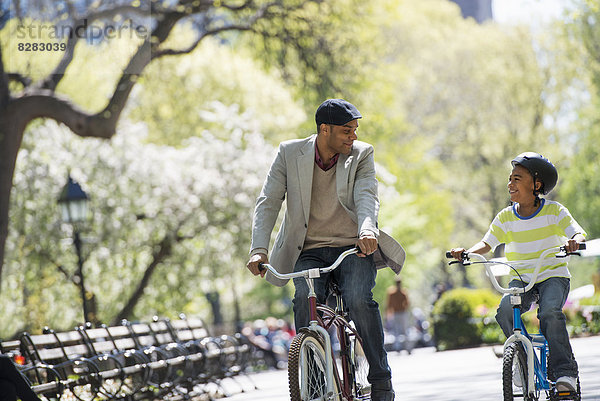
367 245
254 263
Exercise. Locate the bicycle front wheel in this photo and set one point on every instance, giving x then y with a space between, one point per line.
514 374
307 369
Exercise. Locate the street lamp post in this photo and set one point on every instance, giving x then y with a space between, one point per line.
74 209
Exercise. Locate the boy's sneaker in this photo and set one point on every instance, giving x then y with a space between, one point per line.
566 383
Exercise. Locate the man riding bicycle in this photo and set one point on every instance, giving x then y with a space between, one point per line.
331 206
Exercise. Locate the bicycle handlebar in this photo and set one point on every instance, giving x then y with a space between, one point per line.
515 290
309 273
465 254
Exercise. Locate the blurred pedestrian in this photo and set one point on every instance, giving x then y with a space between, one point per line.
398 315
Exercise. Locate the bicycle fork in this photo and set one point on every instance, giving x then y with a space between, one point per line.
518 336
313 325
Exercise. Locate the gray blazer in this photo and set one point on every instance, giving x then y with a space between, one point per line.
291 173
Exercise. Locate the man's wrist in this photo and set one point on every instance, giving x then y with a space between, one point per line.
367 233
256 251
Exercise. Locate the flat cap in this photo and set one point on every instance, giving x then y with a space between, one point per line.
336 112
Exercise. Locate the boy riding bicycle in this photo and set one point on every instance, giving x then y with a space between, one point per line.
527 228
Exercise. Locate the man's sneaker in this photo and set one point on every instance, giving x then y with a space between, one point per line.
566 383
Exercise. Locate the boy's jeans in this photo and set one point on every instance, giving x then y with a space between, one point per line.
355 278
552 296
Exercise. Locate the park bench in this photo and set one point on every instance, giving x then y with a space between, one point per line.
115 342
226 356
64 354
167 361
161 359
43 380
193 334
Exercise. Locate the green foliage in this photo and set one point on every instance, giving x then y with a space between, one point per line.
446 102
583 321
327 58
88 73
594 300
581 191
177 97
457 316
585 317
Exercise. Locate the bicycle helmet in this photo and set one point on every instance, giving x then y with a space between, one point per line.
540 169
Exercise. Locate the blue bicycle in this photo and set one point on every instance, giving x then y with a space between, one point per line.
525 356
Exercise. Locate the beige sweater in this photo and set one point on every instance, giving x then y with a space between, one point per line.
329 224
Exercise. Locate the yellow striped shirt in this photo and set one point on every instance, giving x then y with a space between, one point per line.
525 238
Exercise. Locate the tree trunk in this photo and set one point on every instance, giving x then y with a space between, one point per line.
11 135
163 251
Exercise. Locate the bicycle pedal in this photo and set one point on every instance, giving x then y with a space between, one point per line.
567 395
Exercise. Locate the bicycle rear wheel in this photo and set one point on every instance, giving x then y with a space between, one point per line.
307 374
514 374
360 368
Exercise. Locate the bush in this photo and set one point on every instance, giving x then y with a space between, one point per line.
460 316
465 317
584 317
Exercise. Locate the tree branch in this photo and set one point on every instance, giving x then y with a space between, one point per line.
54 78
261 12
44 103
60 267
164 250
16 77
193 46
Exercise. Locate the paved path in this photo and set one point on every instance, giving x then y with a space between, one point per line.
427 375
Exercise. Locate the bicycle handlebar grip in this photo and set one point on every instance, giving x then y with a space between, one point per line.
582 246
261 267
448 254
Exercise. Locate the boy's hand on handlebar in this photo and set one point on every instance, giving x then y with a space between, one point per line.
255 261
571 246
367 245
457 253
575 244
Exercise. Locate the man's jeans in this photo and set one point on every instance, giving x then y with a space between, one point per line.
552 296
355 278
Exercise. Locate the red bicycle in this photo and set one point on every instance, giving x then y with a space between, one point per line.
315 371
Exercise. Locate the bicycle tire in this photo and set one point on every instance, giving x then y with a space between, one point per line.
360 371
307 375
514 365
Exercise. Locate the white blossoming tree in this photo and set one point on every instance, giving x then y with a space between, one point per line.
167 224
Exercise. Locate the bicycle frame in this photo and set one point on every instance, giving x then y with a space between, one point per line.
317 324
536 368
337 318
